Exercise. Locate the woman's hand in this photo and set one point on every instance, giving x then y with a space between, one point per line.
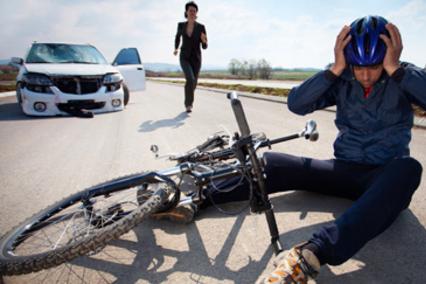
175 52
393 50
204 38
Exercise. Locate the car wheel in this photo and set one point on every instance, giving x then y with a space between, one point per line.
126 94
18 93
19 96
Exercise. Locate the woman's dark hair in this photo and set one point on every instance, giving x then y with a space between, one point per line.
190 4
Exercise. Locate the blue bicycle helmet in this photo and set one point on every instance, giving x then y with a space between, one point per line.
366 47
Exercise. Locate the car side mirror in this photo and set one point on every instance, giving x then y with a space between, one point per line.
17 61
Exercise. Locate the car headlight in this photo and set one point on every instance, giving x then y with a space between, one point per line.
36 79
112 78
113 81
37 82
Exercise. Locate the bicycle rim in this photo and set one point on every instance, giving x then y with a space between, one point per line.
82 223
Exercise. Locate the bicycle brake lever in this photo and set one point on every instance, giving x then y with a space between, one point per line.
154 149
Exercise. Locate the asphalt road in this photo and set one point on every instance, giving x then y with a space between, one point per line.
45 159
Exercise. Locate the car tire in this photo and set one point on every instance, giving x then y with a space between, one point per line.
18 93
19 96
126 94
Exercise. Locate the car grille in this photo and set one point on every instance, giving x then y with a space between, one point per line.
79 85
80 104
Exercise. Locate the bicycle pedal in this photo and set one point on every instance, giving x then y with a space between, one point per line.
257 212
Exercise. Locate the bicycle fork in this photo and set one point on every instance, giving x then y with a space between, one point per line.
261 202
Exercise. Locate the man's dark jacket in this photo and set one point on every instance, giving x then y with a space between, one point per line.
372 130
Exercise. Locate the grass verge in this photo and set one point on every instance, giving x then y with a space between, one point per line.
241 88
7 88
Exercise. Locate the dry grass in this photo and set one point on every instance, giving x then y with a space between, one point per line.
8 76
7 81
242 88
223 74
7 88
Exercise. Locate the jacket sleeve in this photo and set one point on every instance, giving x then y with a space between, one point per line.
177 37
412 80
315 93
203 30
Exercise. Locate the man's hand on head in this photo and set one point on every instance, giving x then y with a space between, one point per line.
393 49
343 38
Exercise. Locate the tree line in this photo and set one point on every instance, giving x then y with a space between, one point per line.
250 68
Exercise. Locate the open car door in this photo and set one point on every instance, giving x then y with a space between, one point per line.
129 63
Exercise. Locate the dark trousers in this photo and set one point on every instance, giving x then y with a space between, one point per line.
380 193
191 68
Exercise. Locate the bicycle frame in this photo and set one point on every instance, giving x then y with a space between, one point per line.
244 150
261 202
109 209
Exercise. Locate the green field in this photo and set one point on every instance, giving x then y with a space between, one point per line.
292 75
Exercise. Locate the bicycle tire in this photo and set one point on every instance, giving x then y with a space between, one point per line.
11 264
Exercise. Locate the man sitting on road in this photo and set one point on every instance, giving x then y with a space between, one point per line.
373 92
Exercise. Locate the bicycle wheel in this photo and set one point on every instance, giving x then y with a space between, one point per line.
83 222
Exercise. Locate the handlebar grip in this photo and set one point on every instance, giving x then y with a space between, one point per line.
310 132
239 114
232 95
314 136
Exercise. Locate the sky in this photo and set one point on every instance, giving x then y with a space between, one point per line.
287 34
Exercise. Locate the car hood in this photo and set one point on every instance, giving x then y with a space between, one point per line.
73 69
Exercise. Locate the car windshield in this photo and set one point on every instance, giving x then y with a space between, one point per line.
64 53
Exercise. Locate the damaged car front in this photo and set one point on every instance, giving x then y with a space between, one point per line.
59 79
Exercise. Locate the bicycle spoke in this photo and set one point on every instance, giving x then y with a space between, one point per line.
80 224
71 224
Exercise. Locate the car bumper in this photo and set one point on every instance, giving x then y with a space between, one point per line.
55 103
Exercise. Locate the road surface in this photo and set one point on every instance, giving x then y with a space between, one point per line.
45 159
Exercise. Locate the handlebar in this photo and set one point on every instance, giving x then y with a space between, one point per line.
309 132
201 153
203 164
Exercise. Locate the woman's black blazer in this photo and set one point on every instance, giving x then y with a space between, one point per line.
190 45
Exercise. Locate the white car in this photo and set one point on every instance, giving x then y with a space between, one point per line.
58 78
